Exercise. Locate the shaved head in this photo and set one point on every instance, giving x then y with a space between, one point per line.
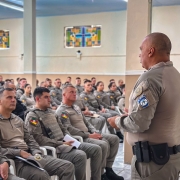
160 42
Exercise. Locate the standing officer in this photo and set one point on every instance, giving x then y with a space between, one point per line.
153 123
15 140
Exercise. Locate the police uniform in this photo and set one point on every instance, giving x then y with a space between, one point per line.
121 104
154 114
79 89
114 97
19 92
92 103
4 159
76 124
55 139
104 100
56 95
97 121
28 101
15 137
50 88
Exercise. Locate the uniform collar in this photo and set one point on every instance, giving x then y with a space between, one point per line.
161 64
11 117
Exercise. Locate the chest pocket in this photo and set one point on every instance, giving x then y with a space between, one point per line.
95 103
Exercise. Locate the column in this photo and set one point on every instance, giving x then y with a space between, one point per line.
30 41
138 26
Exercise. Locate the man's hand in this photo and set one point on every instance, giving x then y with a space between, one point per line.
87 113
4 168
112 107
54 107
69 143
24 154
103 110
126 110
111 121
95 136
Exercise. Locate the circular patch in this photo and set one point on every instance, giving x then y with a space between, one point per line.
143 102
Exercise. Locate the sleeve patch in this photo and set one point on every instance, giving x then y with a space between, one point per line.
64 116
34 121
98 97
143 102
86 98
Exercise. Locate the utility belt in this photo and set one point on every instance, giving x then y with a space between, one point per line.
159 153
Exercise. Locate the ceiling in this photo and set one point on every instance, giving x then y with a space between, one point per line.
70 7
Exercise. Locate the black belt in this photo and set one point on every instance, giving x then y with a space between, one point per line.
172 150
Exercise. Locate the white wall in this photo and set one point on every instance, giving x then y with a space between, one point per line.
53 57
167 20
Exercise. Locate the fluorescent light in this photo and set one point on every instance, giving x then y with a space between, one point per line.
11 6
126 0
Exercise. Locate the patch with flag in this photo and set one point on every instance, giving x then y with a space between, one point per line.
64 116
34 121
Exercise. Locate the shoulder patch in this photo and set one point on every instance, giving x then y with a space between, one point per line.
143 102
111 97
85 98
23 100
34 121
98 96
64 115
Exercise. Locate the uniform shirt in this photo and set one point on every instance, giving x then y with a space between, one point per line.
74 120
114 96
103 99
79 89
14 137
51 121
90 101
28 101
20 109
19 92
56 95
50 88
121 104
154 111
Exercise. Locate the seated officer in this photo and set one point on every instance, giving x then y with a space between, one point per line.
49 131
93 81
121 103
96 120
20 107
15 141
104 99
56 93
76 124
113 93
4 169
48 83
78 86
20 90
92 103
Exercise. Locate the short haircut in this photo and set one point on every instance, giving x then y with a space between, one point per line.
78 78
99 82
66 86
123 86
87 81
41 83
5 89
110 84
39 91
111 80
69 77
47 79
17 79
8 80
93 78
22 79
57 79
26 85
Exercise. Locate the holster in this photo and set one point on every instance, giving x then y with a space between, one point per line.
160 153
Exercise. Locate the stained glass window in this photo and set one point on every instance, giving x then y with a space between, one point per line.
83 36
4 39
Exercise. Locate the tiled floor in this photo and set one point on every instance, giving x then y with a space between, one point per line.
119 167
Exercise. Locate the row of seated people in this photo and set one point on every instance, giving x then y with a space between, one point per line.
96 104
46 127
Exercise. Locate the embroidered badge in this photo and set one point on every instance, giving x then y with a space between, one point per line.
64 116
98 96
86 98
111 97
37 157
34 121
143 102
23 100
138 92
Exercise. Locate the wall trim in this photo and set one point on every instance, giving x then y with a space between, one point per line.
128 73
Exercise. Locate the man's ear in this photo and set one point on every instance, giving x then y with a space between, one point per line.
151 51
